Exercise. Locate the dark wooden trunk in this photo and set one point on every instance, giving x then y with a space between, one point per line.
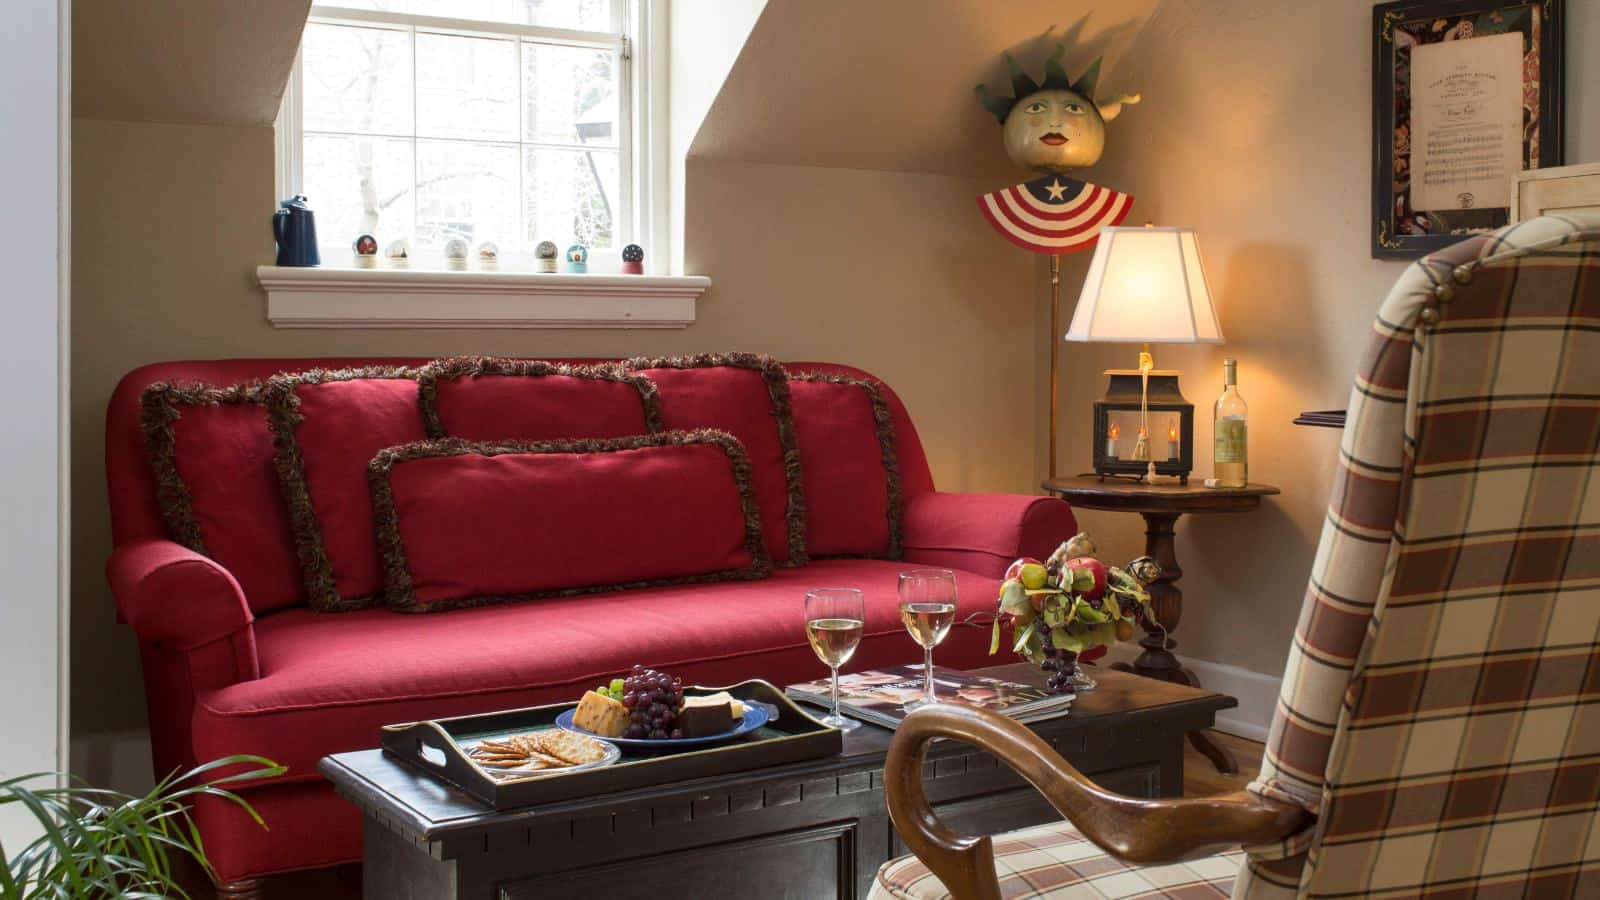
809 830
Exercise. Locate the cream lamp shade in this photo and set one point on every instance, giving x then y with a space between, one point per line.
1146 285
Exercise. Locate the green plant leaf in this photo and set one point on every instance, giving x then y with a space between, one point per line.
1087 613
100 843
1021 640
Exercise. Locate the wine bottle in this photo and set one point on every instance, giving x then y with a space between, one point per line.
1231 455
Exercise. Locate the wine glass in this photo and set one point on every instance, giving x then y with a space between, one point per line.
928 609
835 618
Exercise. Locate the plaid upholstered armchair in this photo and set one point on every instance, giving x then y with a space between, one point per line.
1438 731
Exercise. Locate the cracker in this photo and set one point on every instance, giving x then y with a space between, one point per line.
575 749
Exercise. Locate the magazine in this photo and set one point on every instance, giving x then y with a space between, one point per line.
880 695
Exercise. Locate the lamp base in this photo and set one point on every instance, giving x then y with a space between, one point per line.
1169 444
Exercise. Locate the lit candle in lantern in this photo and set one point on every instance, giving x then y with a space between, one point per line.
1172 441
1112 434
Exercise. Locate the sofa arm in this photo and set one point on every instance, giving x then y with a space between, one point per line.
983 533
177 599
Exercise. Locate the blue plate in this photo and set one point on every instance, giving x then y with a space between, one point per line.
755 716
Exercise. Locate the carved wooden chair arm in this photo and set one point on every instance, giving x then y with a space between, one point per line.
1133 829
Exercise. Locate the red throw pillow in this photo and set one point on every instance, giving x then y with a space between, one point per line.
465 524
746 395
326 427
217 487
845 433
480 399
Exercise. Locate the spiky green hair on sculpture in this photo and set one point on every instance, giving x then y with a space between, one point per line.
1055 79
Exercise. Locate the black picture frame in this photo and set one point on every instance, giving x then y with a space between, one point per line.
1399 232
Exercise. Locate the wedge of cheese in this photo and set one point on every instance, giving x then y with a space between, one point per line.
738 707
600 715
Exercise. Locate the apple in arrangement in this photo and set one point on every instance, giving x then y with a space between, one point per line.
1031 572
1088 577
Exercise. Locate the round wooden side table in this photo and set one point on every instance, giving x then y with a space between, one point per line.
1162 505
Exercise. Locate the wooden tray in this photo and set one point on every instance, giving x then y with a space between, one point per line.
434 746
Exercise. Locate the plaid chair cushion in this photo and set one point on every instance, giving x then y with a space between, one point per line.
1054 861
1437 711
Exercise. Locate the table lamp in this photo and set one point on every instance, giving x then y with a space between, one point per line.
1145 285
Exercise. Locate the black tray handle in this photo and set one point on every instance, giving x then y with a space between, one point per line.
411 742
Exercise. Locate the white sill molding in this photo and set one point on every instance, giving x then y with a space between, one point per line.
411 298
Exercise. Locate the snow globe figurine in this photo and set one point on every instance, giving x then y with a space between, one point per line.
366 251
455 254
399 254
488 257
546 253
633 260
577 259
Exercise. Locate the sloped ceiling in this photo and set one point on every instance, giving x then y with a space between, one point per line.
888 84
222 62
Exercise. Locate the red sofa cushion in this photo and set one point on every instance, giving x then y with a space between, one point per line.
328 683
326 427
218 491
746 395
845 433
464 524
482 399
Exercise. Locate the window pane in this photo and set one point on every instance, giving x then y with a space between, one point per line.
357 79
358 185
466 87
571 195
569 94
588 15
466 189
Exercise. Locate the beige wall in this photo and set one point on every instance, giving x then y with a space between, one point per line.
1255 129
887 271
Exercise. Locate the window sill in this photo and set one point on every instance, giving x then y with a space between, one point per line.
406 298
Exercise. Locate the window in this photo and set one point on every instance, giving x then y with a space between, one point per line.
508 121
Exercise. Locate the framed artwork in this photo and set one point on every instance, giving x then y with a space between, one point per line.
1466 94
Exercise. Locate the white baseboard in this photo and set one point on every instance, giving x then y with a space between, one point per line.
119 760
1257 693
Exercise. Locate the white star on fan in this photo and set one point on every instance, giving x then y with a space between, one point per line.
1056 189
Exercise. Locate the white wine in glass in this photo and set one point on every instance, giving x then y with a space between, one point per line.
928 609
835 619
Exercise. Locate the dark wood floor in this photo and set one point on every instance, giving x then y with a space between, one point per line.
1200 779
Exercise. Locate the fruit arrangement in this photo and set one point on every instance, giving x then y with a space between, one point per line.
1069 604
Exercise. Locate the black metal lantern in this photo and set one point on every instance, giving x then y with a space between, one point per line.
1169 426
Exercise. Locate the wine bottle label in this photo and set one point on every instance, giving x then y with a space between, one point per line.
1231 441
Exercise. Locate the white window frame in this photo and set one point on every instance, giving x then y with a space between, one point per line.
642 129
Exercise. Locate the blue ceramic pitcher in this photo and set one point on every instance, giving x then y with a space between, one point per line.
295 229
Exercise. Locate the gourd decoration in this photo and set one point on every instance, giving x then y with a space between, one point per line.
1053 127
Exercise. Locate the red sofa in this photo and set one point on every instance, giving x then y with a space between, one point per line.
295 685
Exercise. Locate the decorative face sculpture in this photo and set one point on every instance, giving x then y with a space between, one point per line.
1053 131
1057 125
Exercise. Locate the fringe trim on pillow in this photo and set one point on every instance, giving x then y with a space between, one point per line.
283 417
399 588
782 413
429 376
159 408
883 420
